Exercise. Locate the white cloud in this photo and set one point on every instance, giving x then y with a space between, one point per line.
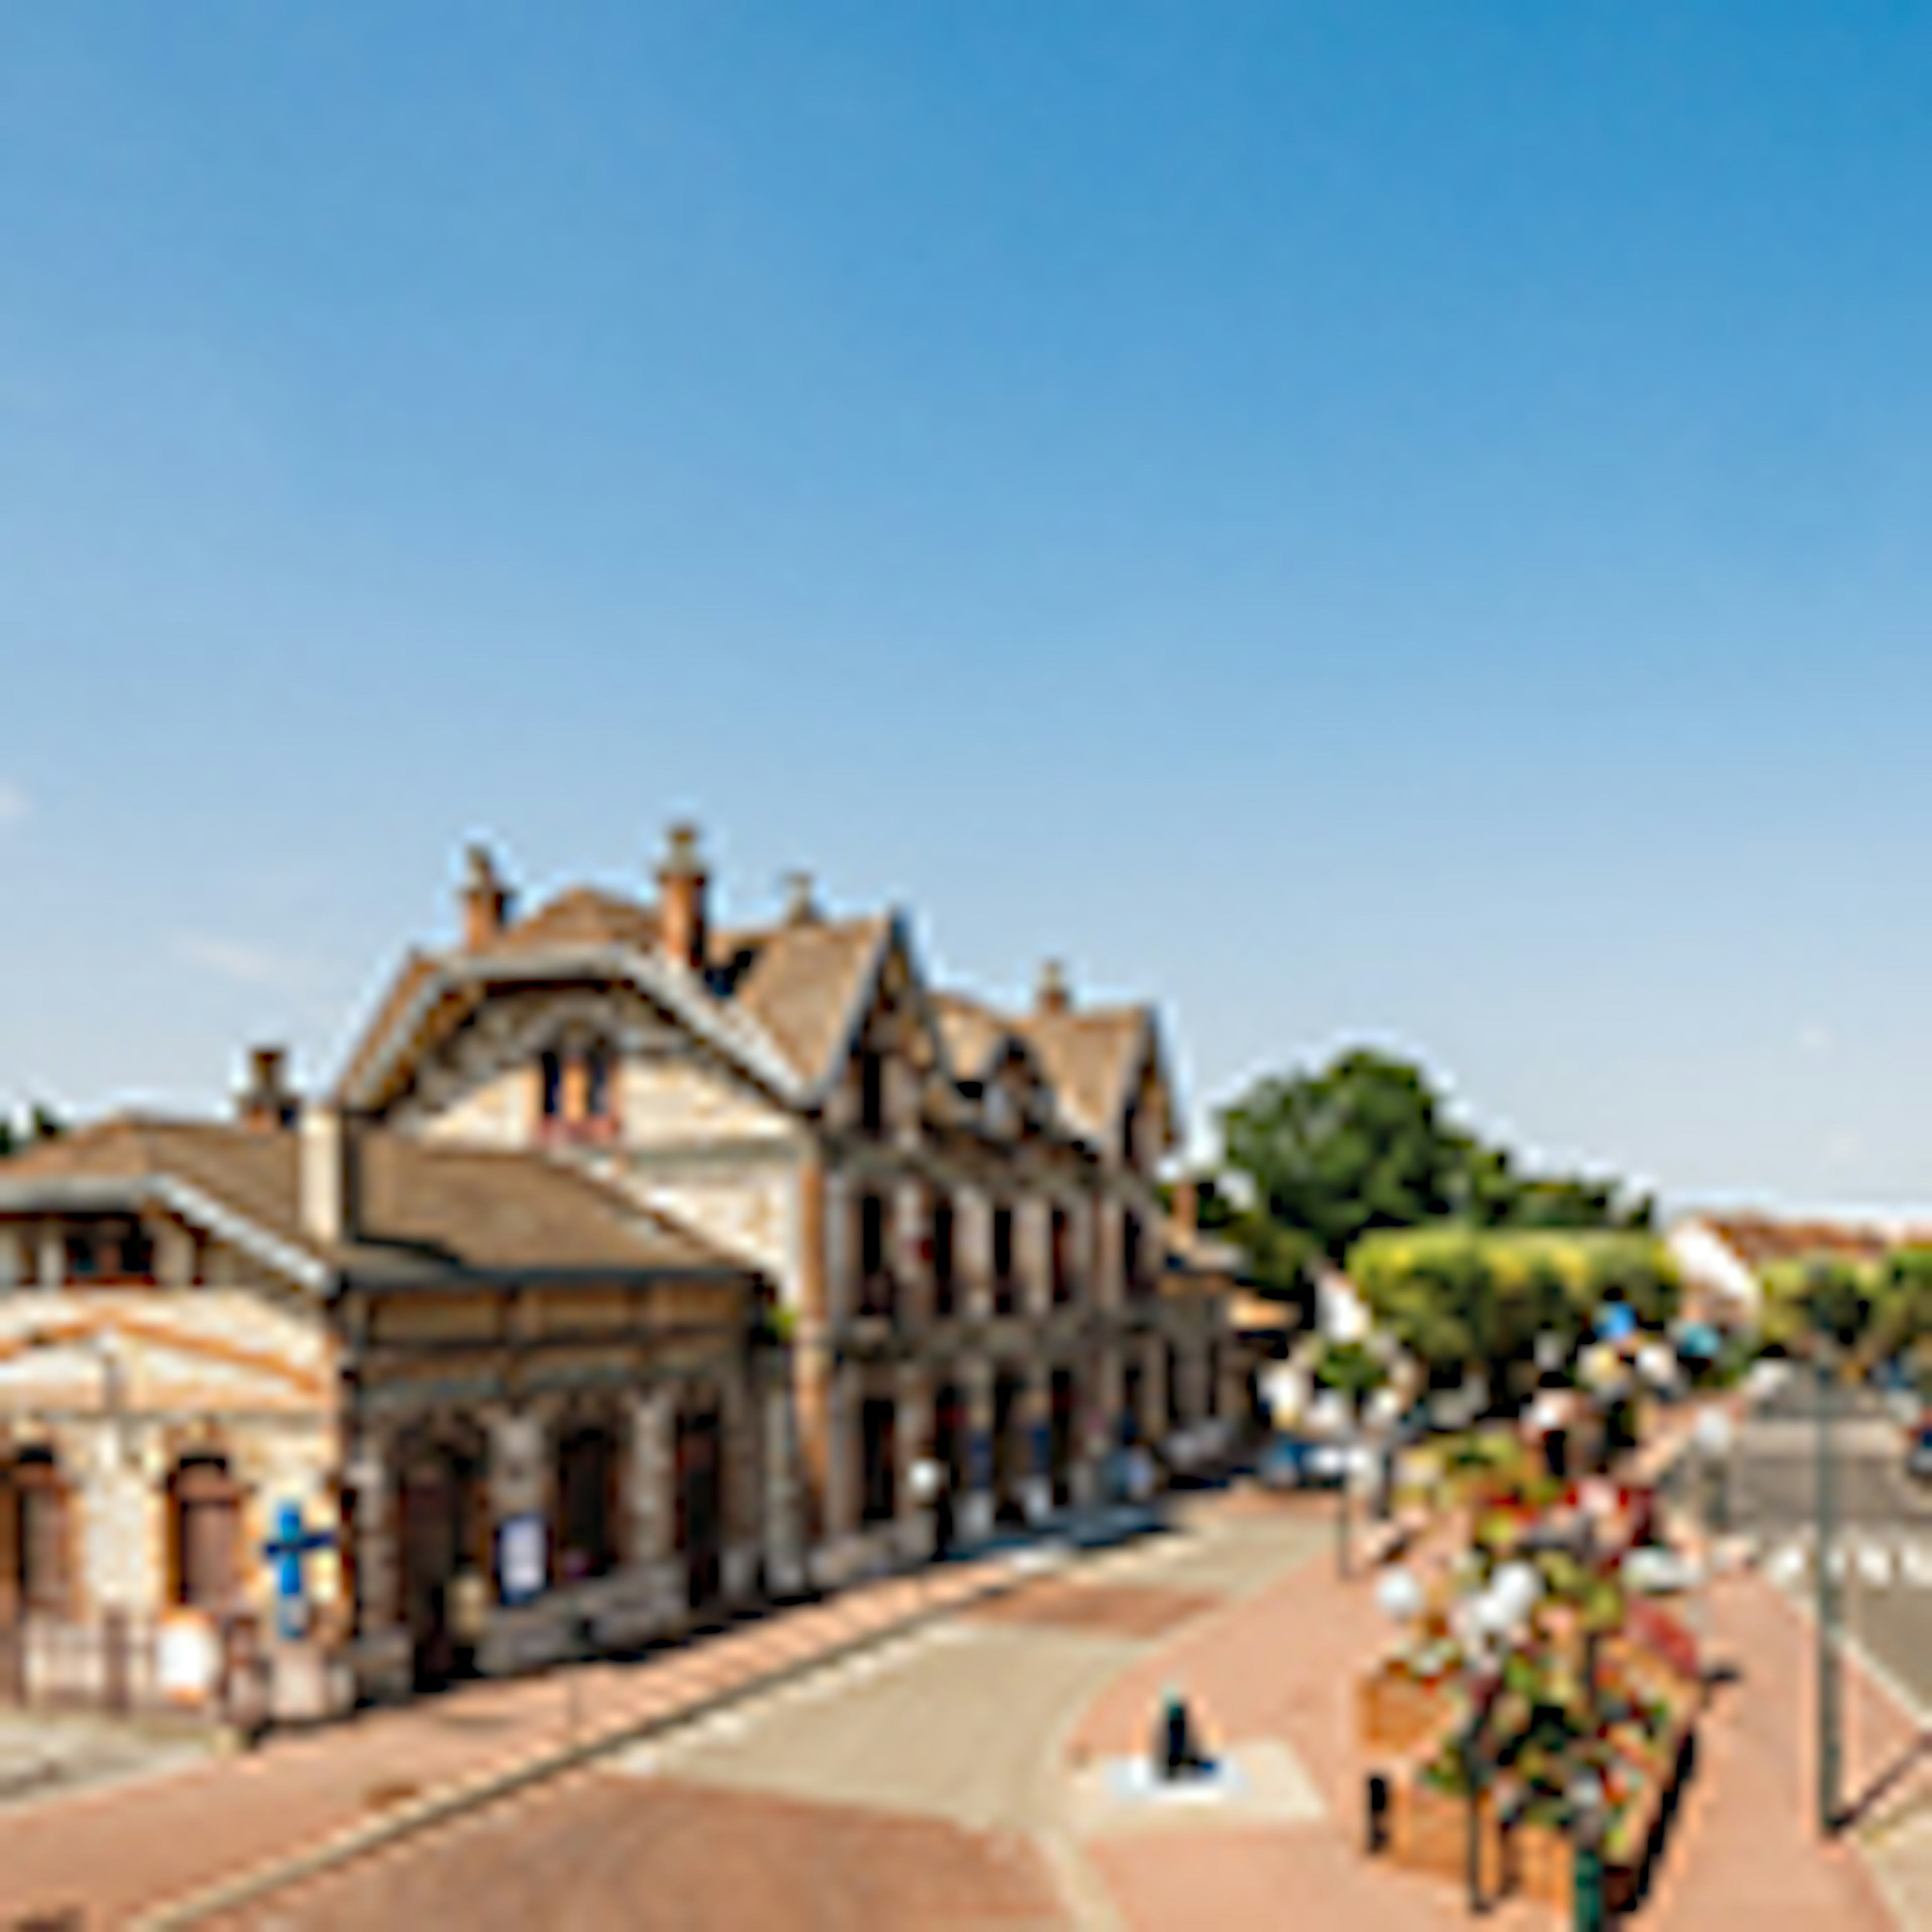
1843 1148
230 958
1814 1036
13 804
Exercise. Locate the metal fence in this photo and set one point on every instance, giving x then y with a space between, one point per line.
114 1663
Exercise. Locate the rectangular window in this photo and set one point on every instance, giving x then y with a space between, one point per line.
1003 1285
1063 1271
944 1287
875 1275
872 1091
1130 1255
552 1077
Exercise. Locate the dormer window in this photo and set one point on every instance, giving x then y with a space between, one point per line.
579 1092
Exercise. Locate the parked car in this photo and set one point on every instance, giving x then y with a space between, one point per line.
1297 1461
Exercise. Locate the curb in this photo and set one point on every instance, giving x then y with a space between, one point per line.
465 1795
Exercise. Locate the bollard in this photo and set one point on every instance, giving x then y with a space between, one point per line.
1378 1813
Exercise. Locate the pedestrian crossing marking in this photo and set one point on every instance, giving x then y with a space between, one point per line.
1873 1562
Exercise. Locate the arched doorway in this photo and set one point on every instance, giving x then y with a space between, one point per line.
1008 1448
699 1468
442 1530
949 1451
588 1459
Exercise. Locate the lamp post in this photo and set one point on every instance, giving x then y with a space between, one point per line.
1342 1478
1585 1796
926 1479
1830 1719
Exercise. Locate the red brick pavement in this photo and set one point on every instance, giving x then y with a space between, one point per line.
112 1853
1744 1850
597 1853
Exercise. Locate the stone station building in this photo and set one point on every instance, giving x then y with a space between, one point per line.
633 1268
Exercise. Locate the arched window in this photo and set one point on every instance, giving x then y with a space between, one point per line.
205 1504
587 1503
35 1501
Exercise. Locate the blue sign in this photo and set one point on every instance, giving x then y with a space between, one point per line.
1615 1320
286 1550
522 1565
981 1459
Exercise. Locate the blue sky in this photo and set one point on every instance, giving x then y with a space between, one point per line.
1404 522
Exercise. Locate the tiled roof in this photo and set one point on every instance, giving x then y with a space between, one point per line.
1090 1056
582 916
804 984
971 1033
1757 1239
423 1208
416 968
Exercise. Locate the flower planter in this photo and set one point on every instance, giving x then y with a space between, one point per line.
1428 1831
1543 1864
1398 1712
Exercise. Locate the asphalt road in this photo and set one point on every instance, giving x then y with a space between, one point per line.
1885 1519
922 1786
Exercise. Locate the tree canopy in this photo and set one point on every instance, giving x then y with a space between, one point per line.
1366 1143
1457 1297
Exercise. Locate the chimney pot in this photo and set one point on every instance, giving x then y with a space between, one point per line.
1054 996
265 1103
486 899
681 907
328 1176
801 908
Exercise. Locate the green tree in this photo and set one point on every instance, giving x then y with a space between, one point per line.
43 1124
1336 1153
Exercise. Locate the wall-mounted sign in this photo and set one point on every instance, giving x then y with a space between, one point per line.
523 1566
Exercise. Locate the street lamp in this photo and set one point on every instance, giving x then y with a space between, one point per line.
1713 1435
1831 1723
1585 1793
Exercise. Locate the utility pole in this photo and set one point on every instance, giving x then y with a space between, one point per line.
1830 1700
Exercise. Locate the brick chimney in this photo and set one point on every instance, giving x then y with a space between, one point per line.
801 908
1053 995
486 899
681 884
329 1177
266 1103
